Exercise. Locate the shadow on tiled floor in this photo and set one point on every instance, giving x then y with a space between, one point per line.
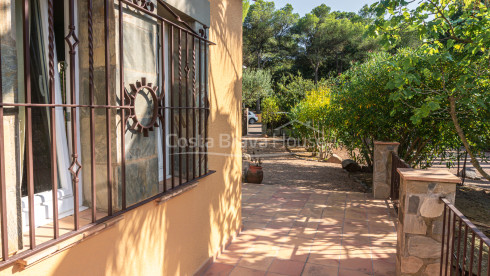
307 231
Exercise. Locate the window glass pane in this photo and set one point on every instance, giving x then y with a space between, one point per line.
141 68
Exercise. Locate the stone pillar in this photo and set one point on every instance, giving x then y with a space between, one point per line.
382 168
420 218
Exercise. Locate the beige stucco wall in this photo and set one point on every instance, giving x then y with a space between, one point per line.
177 237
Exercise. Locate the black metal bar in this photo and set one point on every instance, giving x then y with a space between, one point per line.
488 261
63 105
54 166
28 131
452 243
449 230
3 195
187 124
122 102
164 111
108 110
92 110
179 126
472 250
171 55
459 244
193 121
442 239
465 246
206 104
200 106
480 257
75 166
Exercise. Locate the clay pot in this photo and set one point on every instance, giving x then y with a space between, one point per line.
255 174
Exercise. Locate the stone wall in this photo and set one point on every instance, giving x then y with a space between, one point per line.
382 168
420 218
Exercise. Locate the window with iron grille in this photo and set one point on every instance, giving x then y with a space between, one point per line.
103 107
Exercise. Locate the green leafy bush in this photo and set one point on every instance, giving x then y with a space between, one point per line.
256 84
270 111
292 89
311 120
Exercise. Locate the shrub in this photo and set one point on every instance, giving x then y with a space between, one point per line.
256 84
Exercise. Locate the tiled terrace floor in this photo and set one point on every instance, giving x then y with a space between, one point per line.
305 231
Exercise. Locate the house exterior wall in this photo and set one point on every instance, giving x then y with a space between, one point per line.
179 236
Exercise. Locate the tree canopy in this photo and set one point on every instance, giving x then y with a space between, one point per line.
413 72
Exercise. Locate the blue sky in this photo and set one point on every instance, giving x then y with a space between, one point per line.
305 6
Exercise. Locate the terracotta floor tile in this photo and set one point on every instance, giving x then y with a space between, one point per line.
355 253
356 213
264 249
274 274
329 231
316 270
258 219
239 247
296 253
287 267
360 241
328 257
243 271
285 225
348 272
229 258
218 269
258 262
293 240
358 264
303 232
253 225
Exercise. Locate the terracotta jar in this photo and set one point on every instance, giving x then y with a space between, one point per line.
255 174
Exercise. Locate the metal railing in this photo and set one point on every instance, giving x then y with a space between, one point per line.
464 248
192 98
396 162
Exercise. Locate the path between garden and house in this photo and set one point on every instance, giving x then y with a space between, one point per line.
308 218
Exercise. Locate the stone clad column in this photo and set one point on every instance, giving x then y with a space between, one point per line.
420 219
382 168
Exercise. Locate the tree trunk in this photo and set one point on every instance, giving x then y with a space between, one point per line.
474 161
316 75
366 152
258 59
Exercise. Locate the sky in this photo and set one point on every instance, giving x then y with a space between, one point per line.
305 6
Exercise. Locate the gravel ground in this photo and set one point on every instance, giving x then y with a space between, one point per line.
281 167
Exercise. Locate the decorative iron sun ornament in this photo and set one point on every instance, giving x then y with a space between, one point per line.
138 87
